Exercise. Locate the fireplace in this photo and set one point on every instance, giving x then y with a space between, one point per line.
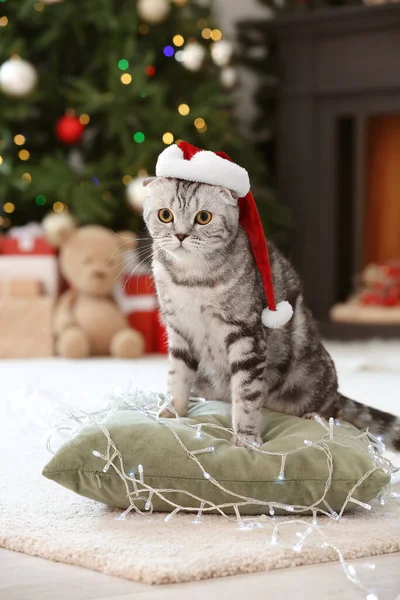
339 150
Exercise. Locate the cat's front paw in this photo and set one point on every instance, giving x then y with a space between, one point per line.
181 409
243 440
167 414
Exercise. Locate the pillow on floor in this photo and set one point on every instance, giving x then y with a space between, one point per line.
297 481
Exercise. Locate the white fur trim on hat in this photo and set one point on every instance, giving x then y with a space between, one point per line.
205 167
274 319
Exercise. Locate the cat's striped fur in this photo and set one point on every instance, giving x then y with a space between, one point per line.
211 299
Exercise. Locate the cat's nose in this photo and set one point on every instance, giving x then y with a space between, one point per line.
181 236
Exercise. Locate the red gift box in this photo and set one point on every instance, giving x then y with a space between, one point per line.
139 302
161 337
27 240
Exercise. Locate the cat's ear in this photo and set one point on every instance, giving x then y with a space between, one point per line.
229 196
150 180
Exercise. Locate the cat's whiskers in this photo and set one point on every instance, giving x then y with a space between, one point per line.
151 255
126 263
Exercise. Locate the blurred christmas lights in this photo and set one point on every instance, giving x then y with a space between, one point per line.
126 78
1 160
206 33
199 123
144 29
26 177
167 138
127 179
123 64
169 51
9 207
58 207
139 137
39 6
3 21
183 109
19 140
150 71
84 119
216 35
24 155
40 200
178 40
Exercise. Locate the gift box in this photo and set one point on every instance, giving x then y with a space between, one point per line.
29 288
160 337
26 240
43 269
26 327
137 298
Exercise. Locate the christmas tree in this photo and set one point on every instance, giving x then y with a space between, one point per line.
94 90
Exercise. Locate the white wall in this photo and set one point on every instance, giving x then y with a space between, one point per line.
231 11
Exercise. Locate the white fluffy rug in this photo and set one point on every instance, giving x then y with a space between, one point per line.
38 517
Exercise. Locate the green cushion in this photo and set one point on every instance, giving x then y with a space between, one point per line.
166 465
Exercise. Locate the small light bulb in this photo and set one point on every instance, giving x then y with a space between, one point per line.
96 453
206 475
168 138
126 78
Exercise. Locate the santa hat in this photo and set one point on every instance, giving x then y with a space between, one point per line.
184 161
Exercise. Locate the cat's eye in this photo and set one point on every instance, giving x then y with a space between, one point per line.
203 217
165 215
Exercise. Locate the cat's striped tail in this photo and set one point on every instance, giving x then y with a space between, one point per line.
377 421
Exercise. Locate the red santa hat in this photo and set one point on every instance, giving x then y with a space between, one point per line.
184 161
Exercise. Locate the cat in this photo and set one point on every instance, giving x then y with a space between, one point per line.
211 298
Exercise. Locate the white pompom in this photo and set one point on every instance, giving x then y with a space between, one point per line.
18 77
153 11
192 56
274 319
57 227
222 52
136 194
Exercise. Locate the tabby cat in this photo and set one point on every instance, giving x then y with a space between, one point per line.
211 299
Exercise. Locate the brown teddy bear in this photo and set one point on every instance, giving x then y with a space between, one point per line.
87 320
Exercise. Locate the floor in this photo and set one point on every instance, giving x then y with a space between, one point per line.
367 371
43 580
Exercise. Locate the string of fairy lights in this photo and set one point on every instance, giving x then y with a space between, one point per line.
140 494
187 51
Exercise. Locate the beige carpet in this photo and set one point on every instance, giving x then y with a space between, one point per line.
40 518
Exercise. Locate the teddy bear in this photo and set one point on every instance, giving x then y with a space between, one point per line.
87 320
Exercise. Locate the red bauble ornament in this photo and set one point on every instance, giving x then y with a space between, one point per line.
69 129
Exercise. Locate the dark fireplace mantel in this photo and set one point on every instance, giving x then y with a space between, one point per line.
338 64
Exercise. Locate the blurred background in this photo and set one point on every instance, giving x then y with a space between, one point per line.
305 95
